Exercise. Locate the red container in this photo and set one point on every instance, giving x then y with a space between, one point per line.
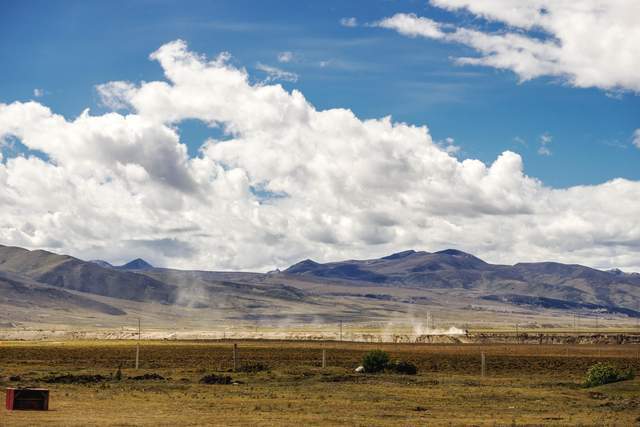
34 399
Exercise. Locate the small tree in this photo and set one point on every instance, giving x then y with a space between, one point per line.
375 361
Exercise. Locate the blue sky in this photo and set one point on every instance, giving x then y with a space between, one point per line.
66 48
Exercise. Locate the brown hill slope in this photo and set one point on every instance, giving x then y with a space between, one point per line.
66 272
20 291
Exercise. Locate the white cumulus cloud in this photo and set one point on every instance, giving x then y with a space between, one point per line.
588 43
113 95
288 182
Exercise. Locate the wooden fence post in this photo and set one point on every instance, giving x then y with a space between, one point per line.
324 358
137 355
235 357
483 362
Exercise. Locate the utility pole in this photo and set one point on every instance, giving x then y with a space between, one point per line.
341 330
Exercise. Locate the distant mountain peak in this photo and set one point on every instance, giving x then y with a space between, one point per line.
453 252
137 264
399 255
302 266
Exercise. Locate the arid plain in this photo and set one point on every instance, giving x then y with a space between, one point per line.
282 382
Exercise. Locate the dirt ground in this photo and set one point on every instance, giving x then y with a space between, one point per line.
523 385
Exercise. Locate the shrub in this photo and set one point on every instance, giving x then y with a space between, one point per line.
403 367
74 379
216 379
375 361
605 373
148 377
253 367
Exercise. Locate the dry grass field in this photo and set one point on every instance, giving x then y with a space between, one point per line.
524 384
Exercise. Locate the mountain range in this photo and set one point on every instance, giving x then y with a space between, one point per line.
62 290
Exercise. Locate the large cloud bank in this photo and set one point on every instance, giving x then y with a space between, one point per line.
588 43
286 182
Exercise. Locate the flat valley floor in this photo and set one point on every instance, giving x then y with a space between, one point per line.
283 383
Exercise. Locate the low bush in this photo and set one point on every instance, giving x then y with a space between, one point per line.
74 379
252 367
605 373
378 361
148 377
375 361
403 367
216 379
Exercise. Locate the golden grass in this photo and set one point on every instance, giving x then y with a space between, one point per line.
526 384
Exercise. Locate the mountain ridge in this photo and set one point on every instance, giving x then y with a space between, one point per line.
452 268
362 290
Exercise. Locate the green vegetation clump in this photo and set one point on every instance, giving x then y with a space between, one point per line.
605 373
375 361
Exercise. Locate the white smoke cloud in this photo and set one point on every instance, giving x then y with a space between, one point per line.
589 43
288 182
